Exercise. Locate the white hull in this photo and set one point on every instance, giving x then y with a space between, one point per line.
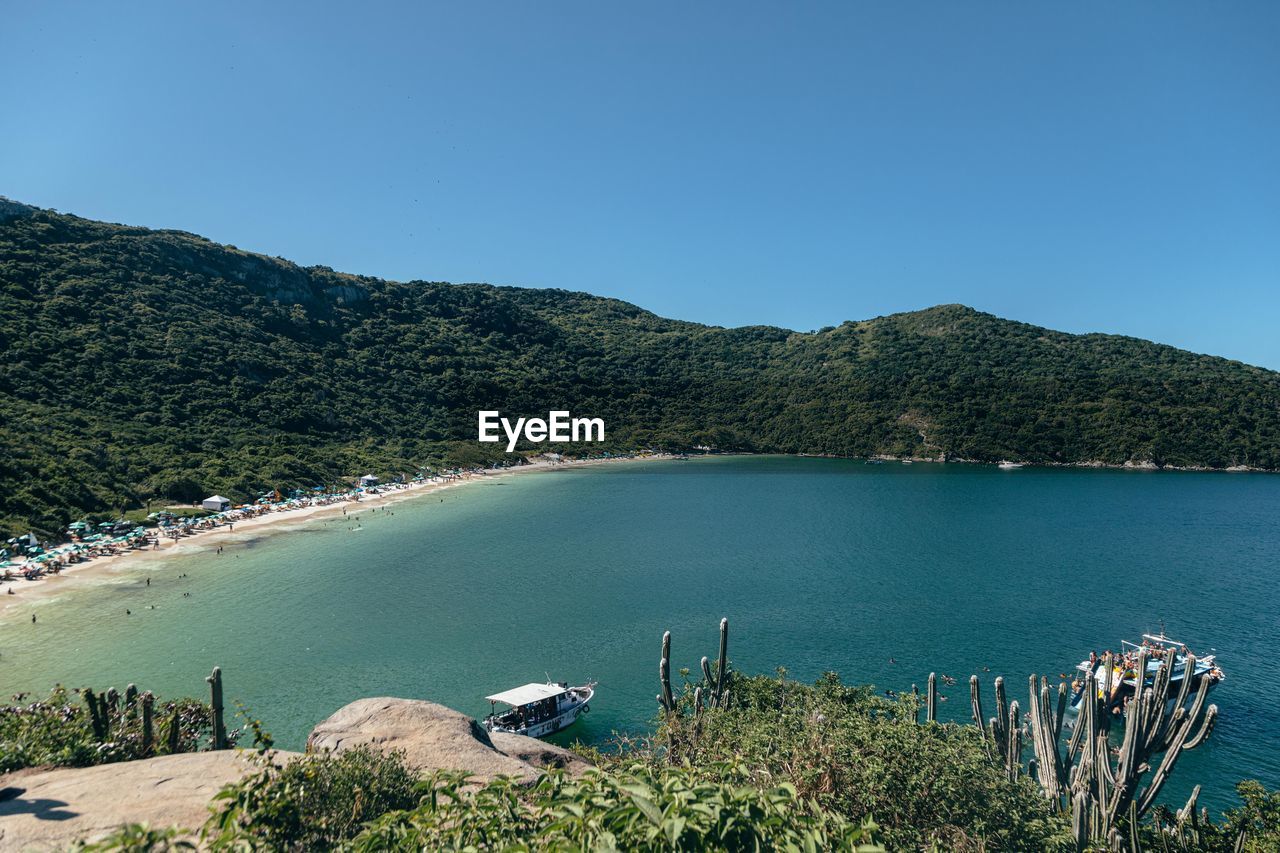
570 706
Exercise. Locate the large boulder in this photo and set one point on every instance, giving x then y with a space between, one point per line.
540 754
433 737
52 809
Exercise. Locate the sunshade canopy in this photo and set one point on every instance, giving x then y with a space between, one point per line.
528 693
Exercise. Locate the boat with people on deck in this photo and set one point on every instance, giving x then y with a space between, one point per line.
537 710
1123 678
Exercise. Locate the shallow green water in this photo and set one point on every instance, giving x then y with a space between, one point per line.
820 564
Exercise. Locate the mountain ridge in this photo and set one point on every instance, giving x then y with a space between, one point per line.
156 364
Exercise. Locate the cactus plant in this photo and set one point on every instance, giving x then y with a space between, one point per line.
931 700
174 735
717 692
718 682
666 699
97 715
1001 734
215 702
1013 751
148 731
1103 794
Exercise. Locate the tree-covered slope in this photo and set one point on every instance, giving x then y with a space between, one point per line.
155 364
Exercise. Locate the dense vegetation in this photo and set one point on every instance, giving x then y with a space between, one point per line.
144 364
628 808
58 730
786 766
866 758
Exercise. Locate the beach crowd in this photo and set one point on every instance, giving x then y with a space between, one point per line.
28 557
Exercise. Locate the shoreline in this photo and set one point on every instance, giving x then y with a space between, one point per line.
93 572
51 586
1088 464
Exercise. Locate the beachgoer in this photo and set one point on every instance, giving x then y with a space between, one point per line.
33 619
148 581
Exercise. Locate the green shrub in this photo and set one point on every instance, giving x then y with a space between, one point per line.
315 802
1254 827
141 838
865 757
640 807
58 731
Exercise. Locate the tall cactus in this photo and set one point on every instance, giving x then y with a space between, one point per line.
173 738
717 693
719 685
148 701
215 702
1001 734
666 698
1013 748
1157 724
97 715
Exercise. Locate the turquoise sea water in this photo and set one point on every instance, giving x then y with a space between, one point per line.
820 564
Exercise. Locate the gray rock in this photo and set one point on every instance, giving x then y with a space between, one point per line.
433 737
52 809
540 754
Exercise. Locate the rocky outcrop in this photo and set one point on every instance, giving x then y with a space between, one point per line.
544 756
433 737
52 809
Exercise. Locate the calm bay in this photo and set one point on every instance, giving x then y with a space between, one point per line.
880 572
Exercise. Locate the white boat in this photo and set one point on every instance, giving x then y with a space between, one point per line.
537 710
1007 465
1124 678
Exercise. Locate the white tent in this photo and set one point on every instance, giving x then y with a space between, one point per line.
368 480
217 503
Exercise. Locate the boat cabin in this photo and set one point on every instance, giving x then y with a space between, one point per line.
531 703
538 709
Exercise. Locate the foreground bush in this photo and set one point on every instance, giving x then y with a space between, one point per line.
865 757
321 802
316 802
58 731
637 808
786 766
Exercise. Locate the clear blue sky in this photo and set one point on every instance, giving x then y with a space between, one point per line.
1085 166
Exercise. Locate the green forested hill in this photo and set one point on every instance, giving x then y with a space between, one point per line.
145 364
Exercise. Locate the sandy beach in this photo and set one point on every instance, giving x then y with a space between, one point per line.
84 576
